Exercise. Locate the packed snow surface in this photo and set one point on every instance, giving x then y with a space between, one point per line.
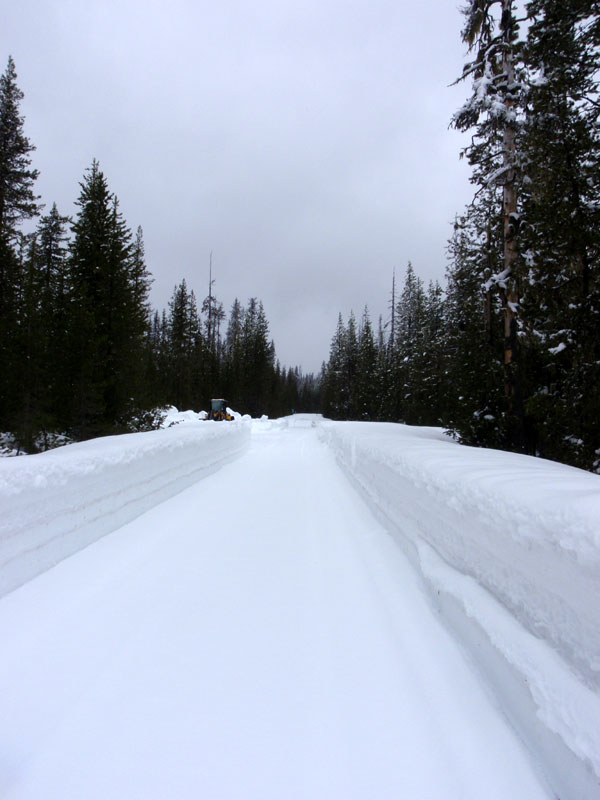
57 502
513 544
260 634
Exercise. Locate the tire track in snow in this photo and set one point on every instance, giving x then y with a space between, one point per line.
256 637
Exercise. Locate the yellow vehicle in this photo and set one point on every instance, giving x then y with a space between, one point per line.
218 410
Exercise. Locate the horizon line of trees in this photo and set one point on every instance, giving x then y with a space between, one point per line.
82 353
509 355
189 359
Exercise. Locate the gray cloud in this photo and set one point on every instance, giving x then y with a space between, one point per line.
305 144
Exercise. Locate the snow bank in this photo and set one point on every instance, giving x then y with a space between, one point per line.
509 547
300 421
175 417
58 502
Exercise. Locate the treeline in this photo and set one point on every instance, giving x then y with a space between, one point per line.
396 373
194 354
81 351
509 355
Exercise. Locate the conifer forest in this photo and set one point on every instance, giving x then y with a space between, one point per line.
83 354
506 354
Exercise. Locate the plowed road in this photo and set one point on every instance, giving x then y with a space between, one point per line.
257 636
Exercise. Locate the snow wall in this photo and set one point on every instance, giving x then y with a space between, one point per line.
56 503
508 547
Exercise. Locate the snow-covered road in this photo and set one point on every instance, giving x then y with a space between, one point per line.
257 636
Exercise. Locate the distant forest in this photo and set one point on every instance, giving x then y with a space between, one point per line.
82 353
508 354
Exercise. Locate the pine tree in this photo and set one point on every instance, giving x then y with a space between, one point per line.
536 160
562 229
17 203
88 268
52 292
156 362
258 360
233 355
290 395
351 367
409 347
434 385
141 281
28 346
17 200
140 322
473 349
388 367
214 315
185 349
367 392
494 115
108 313
335 394
383 370
38 340
309 390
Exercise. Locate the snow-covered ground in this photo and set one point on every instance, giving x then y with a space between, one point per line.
509 547
55 503
261 634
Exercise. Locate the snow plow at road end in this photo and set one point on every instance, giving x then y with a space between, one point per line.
218 410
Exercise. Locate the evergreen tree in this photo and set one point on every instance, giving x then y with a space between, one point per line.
214 315
388 367
140 323
494 115
351 367
335 392
535 158
17 203
50 282
434 387
156 362
108 313
141 281
9 325
561 209
309 390
291 396
367 390
185 349
27 344
233 355
409 347
17 200
474 403
383 372
258 362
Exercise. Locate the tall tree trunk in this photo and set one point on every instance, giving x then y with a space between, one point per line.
510 296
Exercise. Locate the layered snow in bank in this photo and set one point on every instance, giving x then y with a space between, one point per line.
510 549
258 636
262 617
172 416
55 503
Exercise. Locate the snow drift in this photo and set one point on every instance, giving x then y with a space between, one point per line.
509 547
55 503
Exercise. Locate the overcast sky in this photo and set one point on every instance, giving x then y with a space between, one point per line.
304 142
